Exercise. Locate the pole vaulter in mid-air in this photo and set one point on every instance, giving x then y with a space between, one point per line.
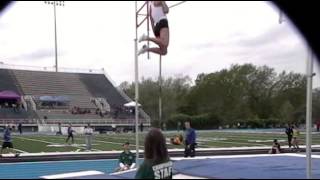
159 22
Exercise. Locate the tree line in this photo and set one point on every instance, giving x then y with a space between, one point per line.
246 95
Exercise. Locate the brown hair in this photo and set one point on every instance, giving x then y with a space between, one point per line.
155 147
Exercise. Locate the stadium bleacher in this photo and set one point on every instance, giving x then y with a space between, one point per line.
83 91
8 81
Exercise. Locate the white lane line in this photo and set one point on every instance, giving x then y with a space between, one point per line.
105 142
55 162
20 150
183 176
123 172
50 143
74 174
241 143
36 140
243 156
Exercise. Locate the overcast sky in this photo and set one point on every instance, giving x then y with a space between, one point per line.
204 37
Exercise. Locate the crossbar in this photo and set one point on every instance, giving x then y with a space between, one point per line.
142 14
142 7
177 4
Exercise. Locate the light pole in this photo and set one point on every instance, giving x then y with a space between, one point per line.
55 3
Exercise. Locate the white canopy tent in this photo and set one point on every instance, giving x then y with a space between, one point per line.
131 104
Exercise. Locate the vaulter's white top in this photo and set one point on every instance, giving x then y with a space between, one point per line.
157 13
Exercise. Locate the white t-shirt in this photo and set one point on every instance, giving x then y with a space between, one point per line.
88 131
157 13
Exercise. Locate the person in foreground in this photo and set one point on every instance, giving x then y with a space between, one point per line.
156 164
7 142
160 27
127 159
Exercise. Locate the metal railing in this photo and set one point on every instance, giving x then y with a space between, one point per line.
124 95
15 121
106 105
30 99
96 121
73 121
50 69
24 103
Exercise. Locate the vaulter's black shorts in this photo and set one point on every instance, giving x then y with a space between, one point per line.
163 23
7 145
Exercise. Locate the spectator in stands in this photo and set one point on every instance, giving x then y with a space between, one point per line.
157 163
141 127
94 102
14 107
88 132
318 125
116 113
127 159
70 134
101 114
190 141
133 111
20 128
276 149
19 105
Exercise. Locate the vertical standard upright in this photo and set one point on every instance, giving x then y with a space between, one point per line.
309 114
137 25
136 87
309 74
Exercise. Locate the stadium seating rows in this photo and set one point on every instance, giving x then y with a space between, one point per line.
79 88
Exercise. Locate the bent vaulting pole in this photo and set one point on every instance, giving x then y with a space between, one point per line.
160 91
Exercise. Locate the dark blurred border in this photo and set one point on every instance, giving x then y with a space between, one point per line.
4 4
302 13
